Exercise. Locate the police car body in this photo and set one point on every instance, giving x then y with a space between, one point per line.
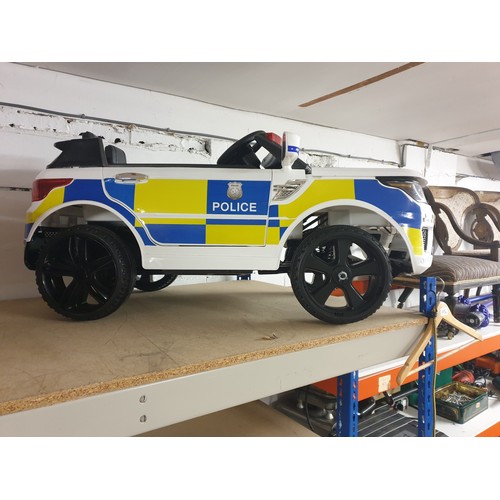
99 226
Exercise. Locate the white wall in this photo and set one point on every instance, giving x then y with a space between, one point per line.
442 168
27 137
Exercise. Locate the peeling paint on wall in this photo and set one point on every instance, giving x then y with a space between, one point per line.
17 120
162 141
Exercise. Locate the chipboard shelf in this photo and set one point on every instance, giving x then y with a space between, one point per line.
181 353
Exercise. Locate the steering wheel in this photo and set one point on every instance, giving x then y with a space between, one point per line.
242 152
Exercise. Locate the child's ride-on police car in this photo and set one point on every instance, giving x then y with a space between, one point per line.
98 226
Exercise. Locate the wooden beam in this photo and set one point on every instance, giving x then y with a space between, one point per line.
362 84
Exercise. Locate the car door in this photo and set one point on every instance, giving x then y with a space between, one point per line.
206 205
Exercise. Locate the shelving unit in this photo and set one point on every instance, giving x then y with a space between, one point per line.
378 378
185 352
382 377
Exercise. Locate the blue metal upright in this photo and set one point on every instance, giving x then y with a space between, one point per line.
426 392
428 296
347 405
347 385
428 301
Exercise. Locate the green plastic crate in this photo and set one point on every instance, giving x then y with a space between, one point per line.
460 402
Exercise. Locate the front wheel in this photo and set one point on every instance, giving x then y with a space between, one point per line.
85 273
340 274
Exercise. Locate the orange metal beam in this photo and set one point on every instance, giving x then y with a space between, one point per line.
493 431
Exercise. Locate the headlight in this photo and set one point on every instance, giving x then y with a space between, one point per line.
410 187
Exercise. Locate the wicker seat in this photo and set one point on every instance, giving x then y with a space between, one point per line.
465 225
492 199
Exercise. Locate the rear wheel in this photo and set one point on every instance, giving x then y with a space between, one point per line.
340 274
154 282
85 273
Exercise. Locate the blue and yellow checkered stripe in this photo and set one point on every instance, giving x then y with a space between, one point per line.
197 212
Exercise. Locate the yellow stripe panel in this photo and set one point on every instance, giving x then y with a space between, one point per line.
318 192
54 198
172 220
273 236
415 236
174 196
235 235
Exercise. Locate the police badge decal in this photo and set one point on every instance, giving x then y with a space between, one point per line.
234 190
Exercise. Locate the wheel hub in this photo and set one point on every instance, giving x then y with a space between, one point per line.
84 274
341 275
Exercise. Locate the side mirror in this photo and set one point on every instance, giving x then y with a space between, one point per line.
290 149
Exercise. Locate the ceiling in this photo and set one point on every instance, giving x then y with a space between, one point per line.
450 105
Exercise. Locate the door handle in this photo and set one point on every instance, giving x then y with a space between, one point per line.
131 177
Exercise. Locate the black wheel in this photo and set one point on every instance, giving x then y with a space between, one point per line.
340 274
85 273
154 282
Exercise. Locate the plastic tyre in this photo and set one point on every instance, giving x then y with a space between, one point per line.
85 273
340 274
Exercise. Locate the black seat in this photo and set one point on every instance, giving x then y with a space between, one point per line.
115 156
